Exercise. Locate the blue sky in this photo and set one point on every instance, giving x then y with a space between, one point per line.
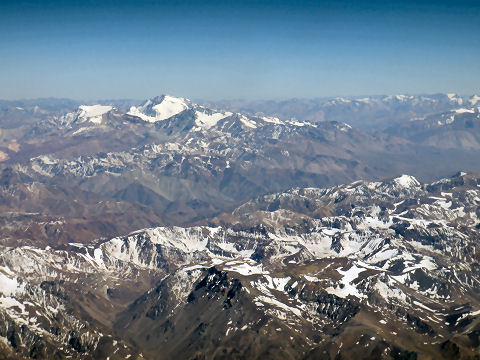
237 49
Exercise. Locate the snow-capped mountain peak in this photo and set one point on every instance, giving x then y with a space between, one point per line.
406 181
160 108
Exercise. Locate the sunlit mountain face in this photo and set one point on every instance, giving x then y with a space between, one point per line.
164 229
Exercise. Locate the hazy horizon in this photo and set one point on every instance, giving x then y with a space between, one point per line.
233 99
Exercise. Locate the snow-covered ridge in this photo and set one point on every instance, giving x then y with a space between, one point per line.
93 113
83 115
474 100
390 99
464 110
273 120
399 97
206 119
164 107
455 98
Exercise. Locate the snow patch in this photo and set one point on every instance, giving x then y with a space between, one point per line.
206 120
93 113
463 111
346 288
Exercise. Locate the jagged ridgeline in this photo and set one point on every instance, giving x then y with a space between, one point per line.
385 269
249 248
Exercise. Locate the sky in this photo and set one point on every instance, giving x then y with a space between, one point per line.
216 50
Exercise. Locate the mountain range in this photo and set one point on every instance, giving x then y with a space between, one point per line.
383 269
167 229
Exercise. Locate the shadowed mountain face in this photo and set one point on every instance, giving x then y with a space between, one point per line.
100 171
249 247
456 129
382 269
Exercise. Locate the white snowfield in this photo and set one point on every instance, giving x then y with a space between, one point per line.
8 286
93 113
168 107
206 120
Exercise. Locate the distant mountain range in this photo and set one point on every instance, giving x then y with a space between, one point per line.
371 113
176 162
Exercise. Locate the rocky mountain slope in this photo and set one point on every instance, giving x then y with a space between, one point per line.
458 128
385 269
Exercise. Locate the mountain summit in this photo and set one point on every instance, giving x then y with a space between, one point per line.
160 108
